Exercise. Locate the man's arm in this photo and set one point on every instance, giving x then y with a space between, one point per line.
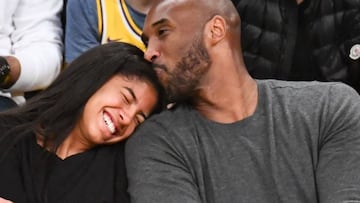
81 31
156 170
37 44
338 169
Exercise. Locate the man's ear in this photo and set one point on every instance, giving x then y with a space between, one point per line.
216 29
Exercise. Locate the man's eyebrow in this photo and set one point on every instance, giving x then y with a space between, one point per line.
131 92
145 38
161 21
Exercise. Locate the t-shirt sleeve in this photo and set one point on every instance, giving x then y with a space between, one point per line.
338 169
81 32
156 170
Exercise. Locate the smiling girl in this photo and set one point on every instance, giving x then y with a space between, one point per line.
65 145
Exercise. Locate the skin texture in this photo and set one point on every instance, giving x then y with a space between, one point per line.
205 67
141 6
126 101
2 200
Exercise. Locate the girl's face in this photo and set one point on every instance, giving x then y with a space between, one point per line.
113 112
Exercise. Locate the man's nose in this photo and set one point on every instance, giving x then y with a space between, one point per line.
151 54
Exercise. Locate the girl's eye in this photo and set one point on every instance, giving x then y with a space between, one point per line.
126 100
139 119
137 122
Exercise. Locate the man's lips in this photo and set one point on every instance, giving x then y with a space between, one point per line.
160 71
159 67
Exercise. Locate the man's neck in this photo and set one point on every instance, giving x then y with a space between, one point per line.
228 103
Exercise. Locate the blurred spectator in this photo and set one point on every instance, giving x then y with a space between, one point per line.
94 22
302 39
30 47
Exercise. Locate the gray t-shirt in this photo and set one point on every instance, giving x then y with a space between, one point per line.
302 144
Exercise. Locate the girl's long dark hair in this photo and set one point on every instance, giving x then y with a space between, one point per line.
54 112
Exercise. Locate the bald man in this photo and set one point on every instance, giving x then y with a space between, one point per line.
231 138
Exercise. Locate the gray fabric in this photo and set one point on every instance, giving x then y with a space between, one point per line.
301 145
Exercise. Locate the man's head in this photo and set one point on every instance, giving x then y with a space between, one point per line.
181 36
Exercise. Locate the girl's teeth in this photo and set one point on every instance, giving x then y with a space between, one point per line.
109 123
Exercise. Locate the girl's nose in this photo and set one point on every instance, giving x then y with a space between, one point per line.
128 115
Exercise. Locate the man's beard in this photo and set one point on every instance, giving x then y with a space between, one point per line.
182 83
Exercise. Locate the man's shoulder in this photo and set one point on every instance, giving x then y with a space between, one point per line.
311 94
303 87
177 115
168 124
164 127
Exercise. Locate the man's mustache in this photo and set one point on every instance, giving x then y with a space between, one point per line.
160 66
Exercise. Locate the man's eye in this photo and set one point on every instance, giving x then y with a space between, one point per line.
162 31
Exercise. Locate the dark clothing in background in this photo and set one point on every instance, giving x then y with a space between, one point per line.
312 41
6 103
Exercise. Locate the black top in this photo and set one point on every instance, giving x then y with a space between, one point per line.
31 174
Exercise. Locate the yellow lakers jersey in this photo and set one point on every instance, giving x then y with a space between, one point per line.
116 24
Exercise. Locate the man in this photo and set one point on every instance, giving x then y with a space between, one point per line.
231 138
